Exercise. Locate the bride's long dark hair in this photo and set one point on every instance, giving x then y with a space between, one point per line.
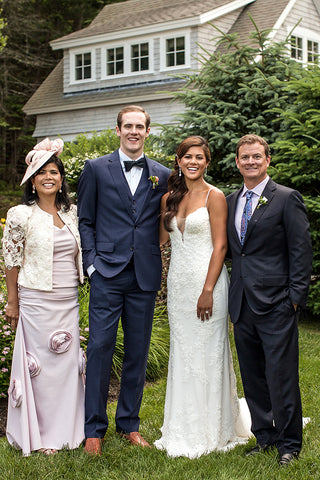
176 184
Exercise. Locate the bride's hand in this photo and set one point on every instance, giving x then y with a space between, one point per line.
204 306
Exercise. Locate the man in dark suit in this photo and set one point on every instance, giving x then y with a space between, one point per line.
119 204
270 247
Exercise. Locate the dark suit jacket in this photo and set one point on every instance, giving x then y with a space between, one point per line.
114 225
274 263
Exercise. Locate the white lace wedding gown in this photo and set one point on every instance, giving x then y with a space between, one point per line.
202 411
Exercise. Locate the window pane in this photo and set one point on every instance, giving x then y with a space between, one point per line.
87 59
110 69
134 51
119 68
170 60
110 54
78 74
135 65
180 58
78 60
170 45
144 49
145 63
87 72
119 53
180 43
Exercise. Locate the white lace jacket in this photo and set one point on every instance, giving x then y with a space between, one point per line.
28 244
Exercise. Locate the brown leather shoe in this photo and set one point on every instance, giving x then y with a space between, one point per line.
136 439
93 446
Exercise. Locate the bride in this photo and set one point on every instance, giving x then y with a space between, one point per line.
202 411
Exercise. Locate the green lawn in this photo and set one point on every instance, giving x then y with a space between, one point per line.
122 461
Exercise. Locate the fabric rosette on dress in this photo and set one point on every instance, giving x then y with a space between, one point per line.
33 364
60 341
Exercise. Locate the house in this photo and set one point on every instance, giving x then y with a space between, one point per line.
132 51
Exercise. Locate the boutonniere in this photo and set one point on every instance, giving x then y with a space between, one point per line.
155 181
262 201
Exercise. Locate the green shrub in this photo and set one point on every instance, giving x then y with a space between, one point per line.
85 147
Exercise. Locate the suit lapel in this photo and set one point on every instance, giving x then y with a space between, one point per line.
151 170
259 211
119 180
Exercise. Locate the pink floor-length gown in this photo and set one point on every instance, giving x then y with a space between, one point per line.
46 393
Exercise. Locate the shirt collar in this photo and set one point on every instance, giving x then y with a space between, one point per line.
258 189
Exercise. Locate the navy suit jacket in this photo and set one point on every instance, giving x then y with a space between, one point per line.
114 225
275 260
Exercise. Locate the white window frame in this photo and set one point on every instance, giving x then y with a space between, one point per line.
163 50
73 55
127 58
305 34
104 49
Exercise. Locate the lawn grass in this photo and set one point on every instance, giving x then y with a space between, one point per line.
121 461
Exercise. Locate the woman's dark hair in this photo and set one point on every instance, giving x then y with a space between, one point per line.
62 198
176 184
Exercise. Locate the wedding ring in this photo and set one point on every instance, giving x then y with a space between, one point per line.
207 311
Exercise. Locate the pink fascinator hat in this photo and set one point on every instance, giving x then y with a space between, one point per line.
40 154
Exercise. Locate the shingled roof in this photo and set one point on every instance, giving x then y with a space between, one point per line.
139 13
50 97
265 14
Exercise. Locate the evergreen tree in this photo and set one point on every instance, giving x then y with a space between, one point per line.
296 162
233 95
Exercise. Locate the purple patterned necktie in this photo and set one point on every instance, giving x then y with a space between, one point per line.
246 215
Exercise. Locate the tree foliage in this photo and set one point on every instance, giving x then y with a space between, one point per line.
25 61
233 95
296 162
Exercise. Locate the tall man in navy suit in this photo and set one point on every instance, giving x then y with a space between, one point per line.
270 246
119 204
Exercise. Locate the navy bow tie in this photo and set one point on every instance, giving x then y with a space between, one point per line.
128 164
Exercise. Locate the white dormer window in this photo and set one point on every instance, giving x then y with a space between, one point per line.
175 51
304 46
139 57
126 59
115 61
82 66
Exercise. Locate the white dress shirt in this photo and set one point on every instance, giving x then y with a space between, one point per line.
257 192
133 177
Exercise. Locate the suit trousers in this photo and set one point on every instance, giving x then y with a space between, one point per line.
110 299
267 347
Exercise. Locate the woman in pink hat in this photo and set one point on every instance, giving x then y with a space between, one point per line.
41 247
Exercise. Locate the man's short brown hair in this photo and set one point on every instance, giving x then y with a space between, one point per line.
251 138
133 108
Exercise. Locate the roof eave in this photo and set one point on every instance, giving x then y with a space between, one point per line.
96 103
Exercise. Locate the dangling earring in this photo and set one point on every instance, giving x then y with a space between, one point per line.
206 171
180 173
60 189
33 189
